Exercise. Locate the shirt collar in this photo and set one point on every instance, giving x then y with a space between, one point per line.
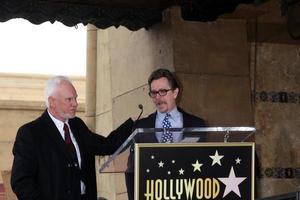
59 124
173 114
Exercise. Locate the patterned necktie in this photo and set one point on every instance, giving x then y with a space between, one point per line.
167 136
69 142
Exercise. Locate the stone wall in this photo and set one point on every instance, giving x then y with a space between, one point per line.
212 62
277 107
277 117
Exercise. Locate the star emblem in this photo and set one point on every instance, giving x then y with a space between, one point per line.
181 171
152 157
232 183
148 170
197 166
161 164
216 158
238 161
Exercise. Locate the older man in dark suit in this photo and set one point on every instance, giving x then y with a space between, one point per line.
54 154
164 90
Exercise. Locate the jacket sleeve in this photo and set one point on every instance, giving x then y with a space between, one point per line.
24 167
108 145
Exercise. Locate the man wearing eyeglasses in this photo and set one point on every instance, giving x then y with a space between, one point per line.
164 90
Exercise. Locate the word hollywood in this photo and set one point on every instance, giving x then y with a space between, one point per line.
158 189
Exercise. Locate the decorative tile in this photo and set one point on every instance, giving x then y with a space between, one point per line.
279 172
276 97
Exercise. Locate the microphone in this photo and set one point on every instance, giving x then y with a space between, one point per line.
141 107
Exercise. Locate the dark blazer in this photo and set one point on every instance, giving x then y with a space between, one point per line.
43 168
149 122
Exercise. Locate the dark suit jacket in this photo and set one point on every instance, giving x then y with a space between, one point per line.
43 168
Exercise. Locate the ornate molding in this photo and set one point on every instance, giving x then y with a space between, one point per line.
276 97
279 172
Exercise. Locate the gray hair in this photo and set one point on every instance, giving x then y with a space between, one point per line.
52 84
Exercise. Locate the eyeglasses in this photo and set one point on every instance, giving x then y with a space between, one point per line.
162 92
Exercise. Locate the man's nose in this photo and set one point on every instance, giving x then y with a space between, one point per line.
157 96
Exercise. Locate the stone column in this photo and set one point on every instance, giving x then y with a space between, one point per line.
98 99
104 122
91 76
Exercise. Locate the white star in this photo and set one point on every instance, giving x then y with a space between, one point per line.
152 157
238 161
197 166
173 161
216 158
161 164
232 183
181 171
148 170
169 172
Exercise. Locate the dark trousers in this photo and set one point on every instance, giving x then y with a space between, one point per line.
129 178
83 197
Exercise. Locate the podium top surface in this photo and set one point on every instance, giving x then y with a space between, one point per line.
188 134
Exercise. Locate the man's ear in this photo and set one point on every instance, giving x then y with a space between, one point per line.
176 92
50 101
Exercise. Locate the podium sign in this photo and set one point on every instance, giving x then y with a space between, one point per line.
190 171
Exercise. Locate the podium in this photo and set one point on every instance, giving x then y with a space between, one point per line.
207 163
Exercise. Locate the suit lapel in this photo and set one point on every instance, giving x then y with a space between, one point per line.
148 122
55 136
152 118
186 121
152 124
